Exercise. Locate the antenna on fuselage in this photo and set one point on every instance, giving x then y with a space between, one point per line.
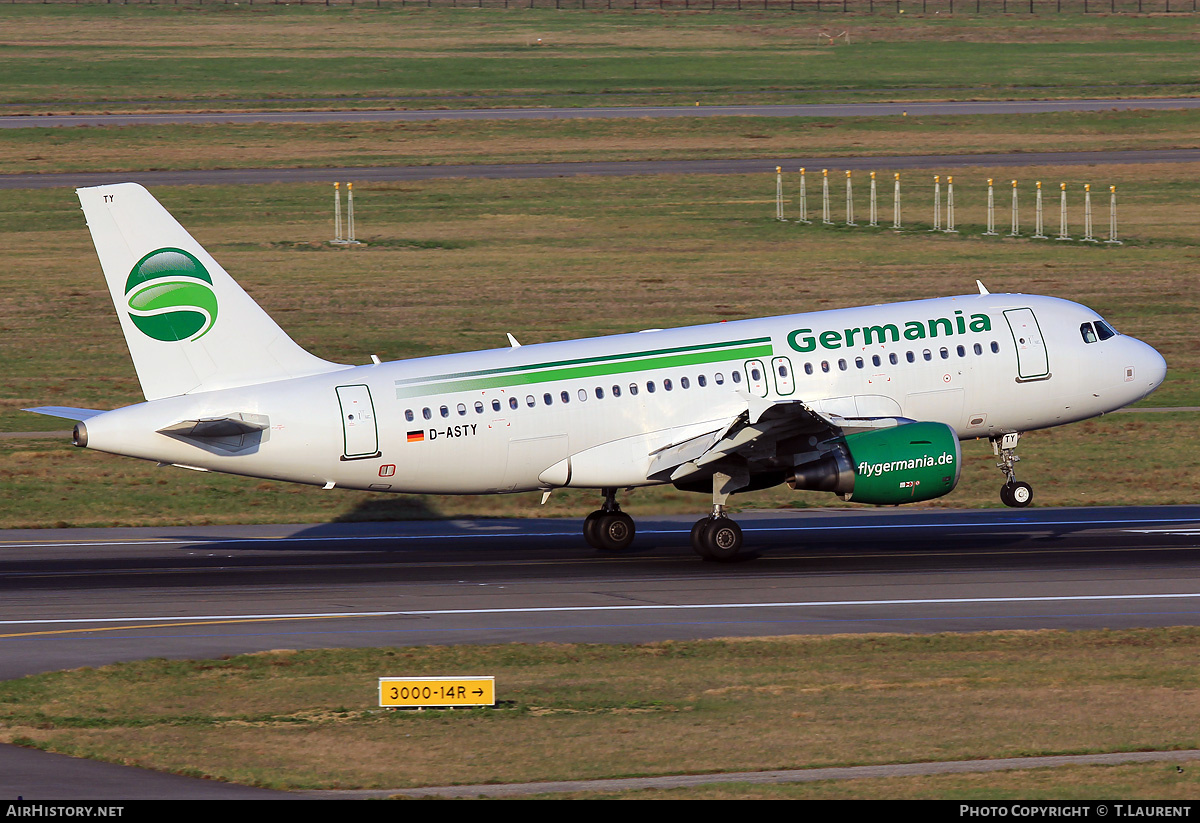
982 288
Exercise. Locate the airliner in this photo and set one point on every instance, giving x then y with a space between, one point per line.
867 403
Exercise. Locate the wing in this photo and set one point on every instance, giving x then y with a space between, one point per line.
765 439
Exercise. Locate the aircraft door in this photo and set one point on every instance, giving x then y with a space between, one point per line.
1033 362
360 434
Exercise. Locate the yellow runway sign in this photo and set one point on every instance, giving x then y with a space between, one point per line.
429 692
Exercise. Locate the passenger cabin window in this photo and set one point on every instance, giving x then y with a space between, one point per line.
495 405
462 409
566 398
408 415
426 413
683 383
808 369
529 401
719 378
995 347
667 385
512 403
548 399
701 381
479 407
616 390
875 361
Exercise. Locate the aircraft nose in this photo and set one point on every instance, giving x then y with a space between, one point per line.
1157 368
1150 369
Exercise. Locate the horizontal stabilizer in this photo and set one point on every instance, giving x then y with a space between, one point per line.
68 412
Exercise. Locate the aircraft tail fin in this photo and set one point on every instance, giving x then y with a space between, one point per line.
189 326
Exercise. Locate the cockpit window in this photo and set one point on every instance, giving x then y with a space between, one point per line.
1104 331
1089 334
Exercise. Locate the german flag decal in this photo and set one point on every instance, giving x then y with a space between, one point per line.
417 436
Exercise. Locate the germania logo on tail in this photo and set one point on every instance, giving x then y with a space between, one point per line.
871 406
170 297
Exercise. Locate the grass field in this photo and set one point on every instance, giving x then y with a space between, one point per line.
74 58
582 711
142 148
630 246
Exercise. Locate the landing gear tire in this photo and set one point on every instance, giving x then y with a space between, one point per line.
697 536
717 538
591 528
609 531
1017 494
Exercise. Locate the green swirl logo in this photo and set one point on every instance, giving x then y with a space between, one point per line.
170 296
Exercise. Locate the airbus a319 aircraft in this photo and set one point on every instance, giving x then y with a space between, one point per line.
867 403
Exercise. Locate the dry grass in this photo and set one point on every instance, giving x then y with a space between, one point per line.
596 711
137 148
129 58
546 254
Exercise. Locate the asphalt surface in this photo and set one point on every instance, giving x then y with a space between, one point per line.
84 597
390 174
19 121
90 597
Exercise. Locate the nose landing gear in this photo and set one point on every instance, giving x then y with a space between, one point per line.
1014 493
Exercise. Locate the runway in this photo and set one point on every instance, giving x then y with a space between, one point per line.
90 597
75 597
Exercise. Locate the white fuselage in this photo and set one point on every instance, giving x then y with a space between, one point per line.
591 413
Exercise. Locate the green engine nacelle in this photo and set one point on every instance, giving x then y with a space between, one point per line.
903 464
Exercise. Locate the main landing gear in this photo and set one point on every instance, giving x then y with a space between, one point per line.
716 537
609 529
1014 492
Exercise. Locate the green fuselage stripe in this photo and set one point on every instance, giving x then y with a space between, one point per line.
585 368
